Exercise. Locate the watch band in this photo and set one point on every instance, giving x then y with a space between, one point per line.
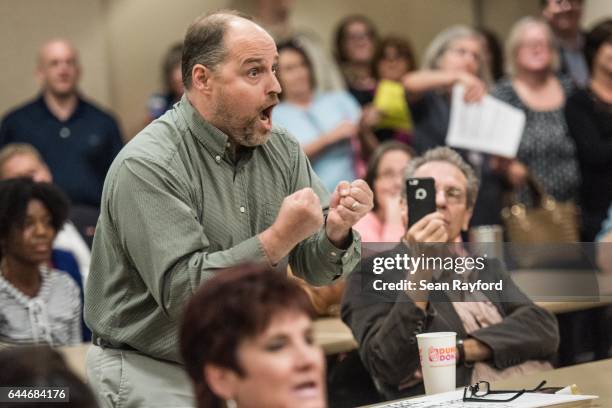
460 352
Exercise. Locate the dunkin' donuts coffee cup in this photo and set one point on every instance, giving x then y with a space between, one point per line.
438 361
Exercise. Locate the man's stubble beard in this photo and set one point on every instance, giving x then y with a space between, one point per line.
240 131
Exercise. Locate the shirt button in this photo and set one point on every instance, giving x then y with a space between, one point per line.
217 158
333 253
242 209
64 132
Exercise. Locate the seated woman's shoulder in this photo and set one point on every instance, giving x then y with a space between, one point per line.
62 280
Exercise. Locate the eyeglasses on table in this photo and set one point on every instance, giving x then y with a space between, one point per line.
481 389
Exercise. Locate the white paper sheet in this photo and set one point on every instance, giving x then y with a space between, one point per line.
454 399
489 126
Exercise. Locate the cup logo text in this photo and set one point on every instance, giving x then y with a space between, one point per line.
441 354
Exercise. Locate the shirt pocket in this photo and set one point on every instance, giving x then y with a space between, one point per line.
270 213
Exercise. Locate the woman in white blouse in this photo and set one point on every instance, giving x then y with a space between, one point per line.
37 304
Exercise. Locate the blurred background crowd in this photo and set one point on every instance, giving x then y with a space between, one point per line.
366 89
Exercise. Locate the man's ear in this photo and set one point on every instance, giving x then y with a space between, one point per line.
201 78
222 381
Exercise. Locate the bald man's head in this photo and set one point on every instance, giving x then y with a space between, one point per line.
205 41
58 68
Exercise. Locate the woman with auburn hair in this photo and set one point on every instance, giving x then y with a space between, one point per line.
247 341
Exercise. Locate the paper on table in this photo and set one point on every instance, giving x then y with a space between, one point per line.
454 399
489 126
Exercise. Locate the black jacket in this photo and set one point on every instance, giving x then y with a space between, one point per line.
386 329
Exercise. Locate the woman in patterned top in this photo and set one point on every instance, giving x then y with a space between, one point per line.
37 304
546 149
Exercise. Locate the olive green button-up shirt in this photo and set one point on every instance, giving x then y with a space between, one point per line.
176 208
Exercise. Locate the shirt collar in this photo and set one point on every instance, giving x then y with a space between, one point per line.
43 105
213 139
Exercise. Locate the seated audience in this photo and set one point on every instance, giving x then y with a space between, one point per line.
42 367
454 56
389 114
76 139
324 123
356 38
496 338
23 160
172 79
266 357
546 150
385 176
589 118
37 304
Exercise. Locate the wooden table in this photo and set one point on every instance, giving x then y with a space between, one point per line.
334 336
591 378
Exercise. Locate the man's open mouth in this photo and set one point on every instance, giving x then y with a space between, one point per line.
266 113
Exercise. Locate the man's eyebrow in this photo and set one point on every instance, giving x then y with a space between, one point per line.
253 61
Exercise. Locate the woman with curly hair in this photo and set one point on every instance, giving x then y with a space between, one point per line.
38 304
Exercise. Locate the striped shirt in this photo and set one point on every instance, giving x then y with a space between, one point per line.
53 316
175 209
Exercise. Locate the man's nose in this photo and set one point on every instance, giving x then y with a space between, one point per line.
274 85
440 199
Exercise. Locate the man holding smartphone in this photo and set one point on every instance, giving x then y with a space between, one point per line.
495 339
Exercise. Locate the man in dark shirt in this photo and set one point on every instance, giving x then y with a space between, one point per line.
76 139
564 16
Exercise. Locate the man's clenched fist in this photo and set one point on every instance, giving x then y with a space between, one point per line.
349 203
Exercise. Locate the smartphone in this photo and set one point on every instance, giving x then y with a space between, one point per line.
421 195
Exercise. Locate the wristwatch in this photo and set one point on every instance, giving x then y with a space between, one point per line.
460 352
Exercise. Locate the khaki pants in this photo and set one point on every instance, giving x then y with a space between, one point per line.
126 379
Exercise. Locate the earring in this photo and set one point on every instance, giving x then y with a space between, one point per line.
230 403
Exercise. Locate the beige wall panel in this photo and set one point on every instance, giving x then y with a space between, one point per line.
139 33
595 11
26 24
